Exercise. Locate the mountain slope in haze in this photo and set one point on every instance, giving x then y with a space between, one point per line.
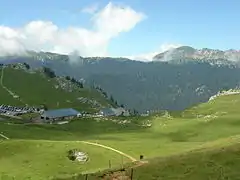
172 85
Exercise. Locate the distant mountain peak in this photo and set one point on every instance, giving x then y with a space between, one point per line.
204 54
185 48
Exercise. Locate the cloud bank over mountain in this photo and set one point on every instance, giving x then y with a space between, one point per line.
149 56
39 35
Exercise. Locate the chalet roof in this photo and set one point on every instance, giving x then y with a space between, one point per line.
58 113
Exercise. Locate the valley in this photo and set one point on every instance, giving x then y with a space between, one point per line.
119 90
194 138
181 82
197 142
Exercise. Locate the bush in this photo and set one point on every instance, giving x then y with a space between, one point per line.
49 72
26 65
71 155
68 78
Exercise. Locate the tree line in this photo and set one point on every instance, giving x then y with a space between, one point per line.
114 101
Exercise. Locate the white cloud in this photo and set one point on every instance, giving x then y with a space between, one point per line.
39 35
149 56
90 9
166 47
110 20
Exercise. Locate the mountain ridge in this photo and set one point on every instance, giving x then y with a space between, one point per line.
144 86
182 52
188 52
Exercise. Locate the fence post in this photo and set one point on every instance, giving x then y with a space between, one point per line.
122 161
109 164
86 177
132 174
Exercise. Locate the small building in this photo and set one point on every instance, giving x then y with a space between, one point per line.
59 115
107 112
121 112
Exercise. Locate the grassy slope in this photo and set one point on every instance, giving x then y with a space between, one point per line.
166 137
47 159
35 89
176 140
171 136
79 129
219 158
219 163
216 160
6 97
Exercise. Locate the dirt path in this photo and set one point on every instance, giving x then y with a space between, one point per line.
117 175
99 145
9 91
2 75
5 137
110 148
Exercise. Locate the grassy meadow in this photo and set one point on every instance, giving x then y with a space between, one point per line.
201 142
37 89
48 159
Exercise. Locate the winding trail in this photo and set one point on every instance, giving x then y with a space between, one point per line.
4 87
116 173
110 148
5 137
2 73
96 144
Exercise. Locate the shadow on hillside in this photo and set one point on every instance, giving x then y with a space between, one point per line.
180 136
175 136
76 130
175 114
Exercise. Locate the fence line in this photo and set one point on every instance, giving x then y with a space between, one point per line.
126 172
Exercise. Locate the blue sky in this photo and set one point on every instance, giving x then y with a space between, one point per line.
212 24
